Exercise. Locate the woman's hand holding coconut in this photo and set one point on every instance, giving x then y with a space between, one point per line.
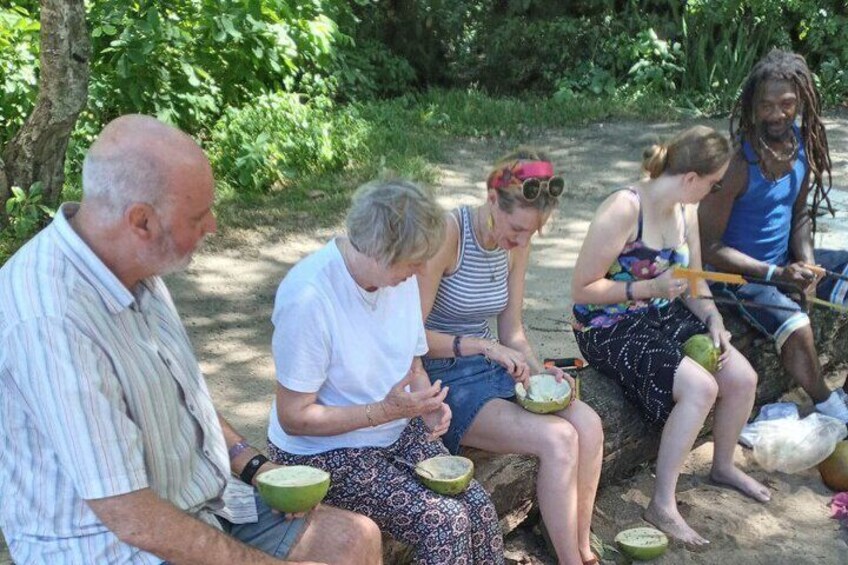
720 336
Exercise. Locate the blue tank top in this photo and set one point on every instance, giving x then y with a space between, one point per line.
475 292
635 262
761 219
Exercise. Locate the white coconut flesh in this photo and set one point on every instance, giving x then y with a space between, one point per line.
544 388
642 542
295 476
445 468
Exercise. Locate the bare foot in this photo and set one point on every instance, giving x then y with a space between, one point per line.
588 558
673 524
737 479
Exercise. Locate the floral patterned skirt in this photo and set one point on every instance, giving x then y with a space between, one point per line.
377 483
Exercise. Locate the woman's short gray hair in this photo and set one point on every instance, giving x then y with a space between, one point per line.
396 220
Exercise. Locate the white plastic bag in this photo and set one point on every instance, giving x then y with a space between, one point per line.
791 445
776 411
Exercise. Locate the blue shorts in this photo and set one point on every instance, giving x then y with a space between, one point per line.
473 382
780 324
271 534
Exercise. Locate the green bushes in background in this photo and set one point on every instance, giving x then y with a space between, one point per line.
280 91
278 139
188 61
18 68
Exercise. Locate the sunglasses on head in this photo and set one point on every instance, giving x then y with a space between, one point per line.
715 187
531 188
533 177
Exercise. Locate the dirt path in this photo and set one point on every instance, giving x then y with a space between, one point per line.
226 297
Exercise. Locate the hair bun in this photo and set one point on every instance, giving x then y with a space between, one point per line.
654 159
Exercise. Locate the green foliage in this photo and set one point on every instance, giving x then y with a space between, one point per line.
187 60
287 92
658 63
278 139
18 67
426 33
724 39
368 70
822 33
26 213
515 54
280 143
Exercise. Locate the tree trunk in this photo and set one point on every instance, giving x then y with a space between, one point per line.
37 152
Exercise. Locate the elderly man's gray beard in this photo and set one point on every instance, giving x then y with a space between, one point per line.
166 260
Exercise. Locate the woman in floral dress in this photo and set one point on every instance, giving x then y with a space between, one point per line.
632 317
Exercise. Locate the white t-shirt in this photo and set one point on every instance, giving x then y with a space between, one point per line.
334 338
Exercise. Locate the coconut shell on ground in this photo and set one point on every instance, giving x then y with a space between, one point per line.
834 469
642 544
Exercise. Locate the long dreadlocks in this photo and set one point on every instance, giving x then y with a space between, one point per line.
783 65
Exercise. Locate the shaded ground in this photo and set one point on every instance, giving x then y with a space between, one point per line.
226 297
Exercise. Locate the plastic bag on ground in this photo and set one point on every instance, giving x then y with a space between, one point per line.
791 445
776 411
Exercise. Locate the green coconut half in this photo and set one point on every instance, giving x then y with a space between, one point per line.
545 395
700 348
642 544
446 474
297 488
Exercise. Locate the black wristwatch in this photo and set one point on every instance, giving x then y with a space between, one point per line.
251 467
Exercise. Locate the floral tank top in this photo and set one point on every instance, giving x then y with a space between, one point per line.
636 262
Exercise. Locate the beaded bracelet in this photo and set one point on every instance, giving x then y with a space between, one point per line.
488 349
238 448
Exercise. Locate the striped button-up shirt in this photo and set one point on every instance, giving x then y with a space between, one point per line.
100 395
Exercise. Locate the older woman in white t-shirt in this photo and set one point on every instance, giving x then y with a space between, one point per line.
352 395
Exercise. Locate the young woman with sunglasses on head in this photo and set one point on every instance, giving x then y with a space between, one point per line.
632 317
478 273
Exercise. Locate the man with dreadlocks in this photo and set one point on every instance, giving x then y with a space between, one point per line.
759 224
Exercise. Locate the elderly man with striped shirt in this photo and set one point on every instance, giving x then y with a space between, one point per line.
113 451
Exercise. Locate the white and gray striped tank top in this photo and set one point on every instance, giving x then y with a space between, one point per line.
475 292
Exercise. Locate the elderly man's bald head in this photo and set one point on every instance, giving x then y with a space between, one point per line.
133 160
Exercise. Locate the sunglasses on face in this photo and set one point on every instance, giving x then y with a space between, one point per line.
531 188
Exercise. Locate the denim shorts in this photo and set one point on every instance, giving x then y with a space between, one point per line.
780 324
473 381
271 534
